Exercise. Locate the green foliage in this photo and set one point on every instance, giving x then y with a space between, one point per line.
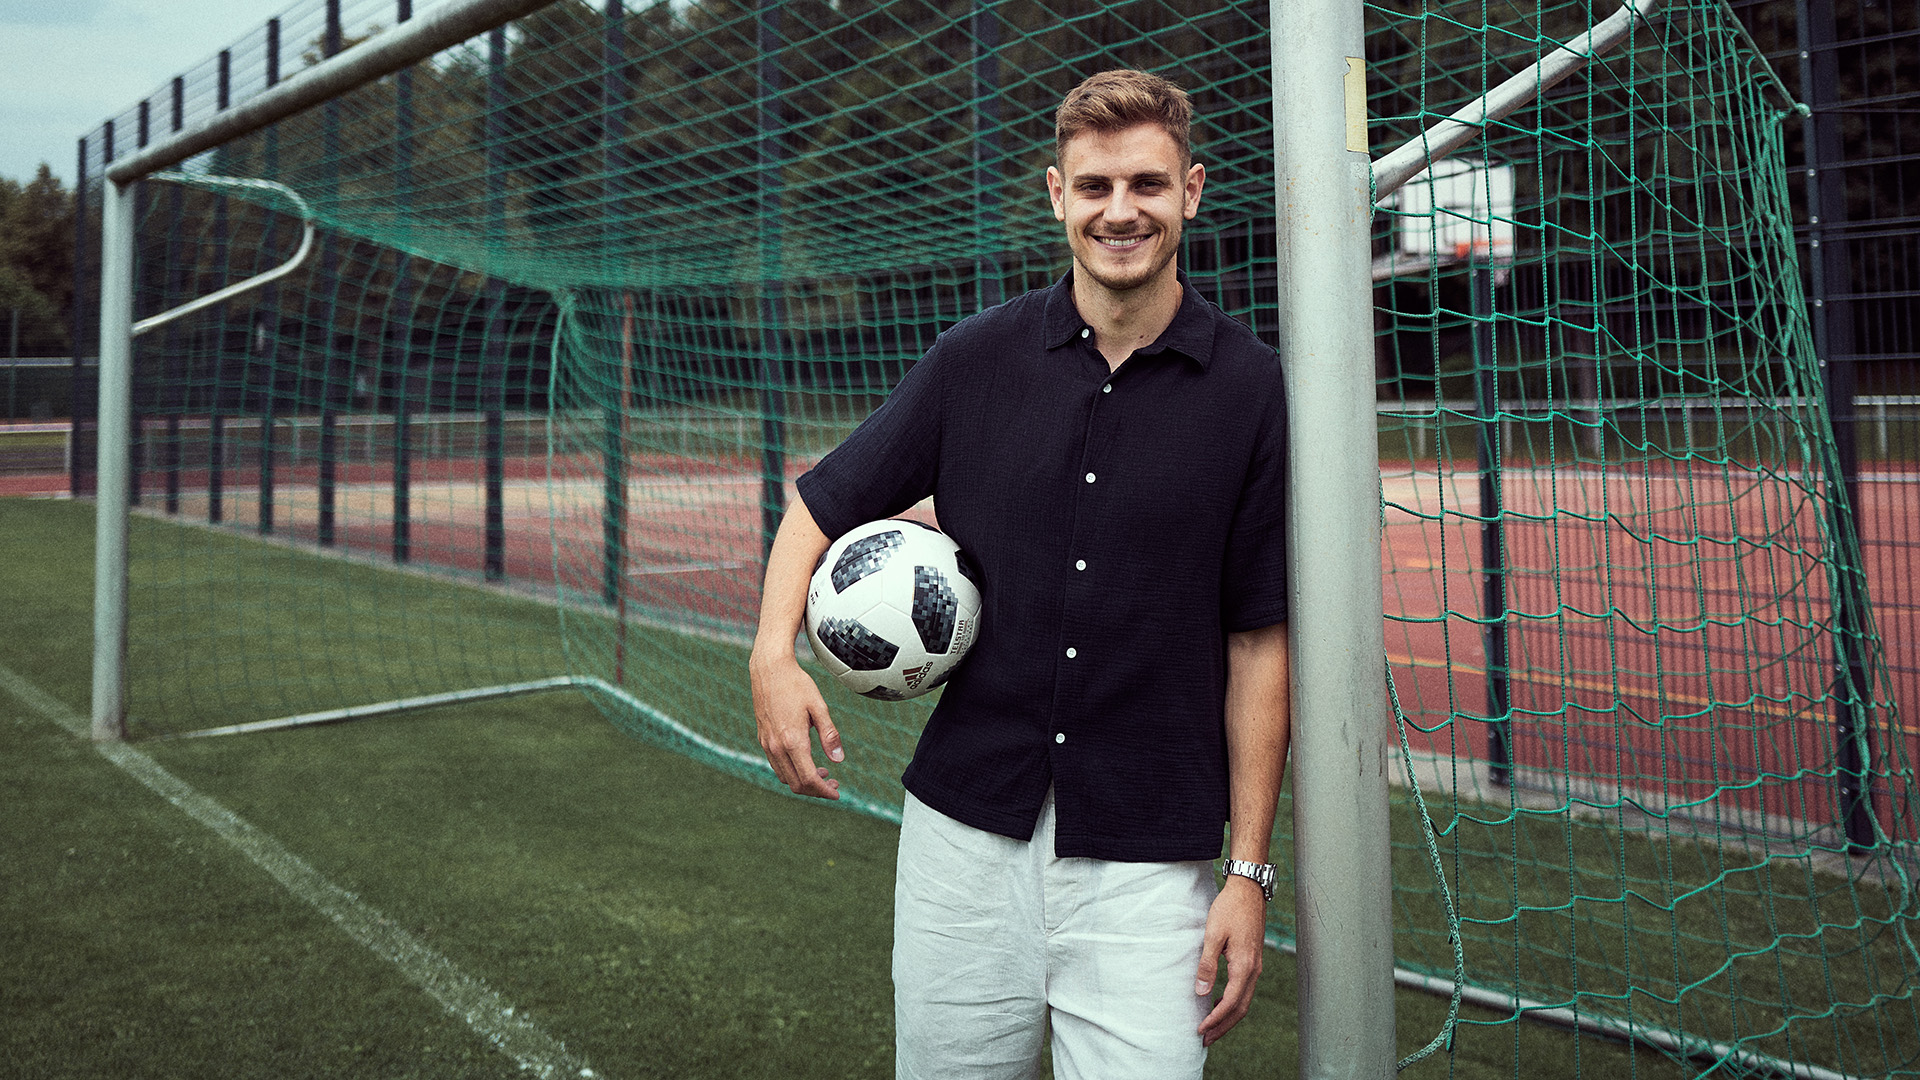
36 260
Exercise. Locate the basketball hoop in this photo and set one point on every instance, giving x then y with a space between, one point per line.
1458 210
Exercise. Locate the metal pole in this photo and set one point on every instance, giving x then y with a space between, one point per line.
76 379
1493 546
446 24
1466 124
13 357
173 398
1835 346
773 361
1343 882
403 299
266 325
329 279
216 408
113 502
613 526
137 449
494 368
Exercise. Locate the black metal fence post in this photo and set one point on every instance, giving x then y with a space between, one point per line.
222 247
265 331
1493 548
330 387
494 363
403 301
173 394
137 425
1834 344
773 367
78 399
613 135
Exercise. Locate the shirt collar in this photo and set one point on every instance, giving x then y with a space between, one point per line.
1190 334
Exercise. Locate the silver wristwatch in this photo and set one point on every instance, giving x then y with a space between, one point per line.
1259 873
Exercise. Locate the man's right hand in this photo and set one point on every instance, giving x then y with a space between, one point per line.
788 707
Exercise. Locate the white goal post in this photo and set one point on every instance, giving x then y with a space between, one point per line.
417 39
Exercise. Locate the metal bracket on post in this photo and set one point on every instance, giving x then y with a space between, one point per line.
239 287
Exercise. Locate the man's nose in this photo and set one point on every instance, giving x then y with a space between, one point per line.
1120 205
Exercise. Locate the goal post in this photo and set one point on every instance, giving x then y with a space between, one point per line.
1343 880
113 488
445 26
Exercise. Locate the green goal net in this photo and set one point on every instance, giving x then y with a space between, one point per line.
587 293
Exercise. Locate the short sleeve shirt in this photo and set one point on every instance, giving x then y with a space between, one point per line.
1123 522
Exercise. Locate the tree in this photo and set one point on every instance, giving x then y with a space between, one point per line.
36 258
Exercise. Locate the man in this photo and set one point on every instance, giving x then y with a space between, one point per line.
1109 451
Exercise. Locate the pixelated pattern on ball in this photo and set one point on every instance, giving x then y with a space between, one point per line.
967 569
856 646
863 557
934 608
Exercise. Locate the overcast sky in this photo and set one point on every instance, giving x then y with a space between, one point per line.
67 65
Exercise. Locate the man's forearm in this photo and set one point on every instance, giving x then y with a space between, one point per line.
783 597
1258 720
787 706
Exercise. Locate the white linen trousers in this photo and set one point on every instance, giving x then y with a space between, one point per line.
996 939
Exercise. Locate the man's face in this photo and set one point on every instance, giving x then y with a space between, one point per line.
1124 196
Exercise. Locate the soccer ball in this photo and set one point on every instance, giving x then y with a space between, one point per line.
892 607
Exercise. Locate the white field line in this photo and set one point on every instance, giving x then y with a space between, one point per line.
466 997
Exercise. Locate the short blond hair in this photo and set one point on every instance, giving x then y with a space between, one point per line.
1116 100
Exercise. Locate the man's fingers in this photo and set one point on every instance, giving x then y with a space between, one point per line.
1209 966
1229 1009
787 709
805 776
1243 972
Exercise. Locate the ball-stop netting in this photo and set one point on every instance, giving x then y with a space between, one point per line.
588 293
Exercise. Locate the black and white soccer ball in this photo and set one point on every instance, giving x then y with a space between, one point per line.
892 608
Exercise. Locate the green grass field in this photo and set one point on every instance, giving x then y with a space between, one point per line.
656 916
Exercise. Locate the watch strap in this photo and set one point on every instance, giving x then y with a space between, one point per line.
1261 874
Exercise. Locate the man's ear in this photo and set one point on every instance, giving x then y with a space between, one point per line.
1057 192
1196 180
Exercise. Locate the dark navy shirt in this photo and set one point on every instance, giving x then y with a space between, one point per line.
1123 523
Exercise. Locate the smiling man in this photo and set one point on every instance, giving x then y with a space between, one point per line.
1110 452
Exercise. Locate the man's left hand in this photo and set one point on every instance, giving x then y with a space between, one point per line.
1236 929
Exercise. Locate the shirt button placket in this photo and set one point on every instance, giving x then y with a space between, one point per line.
1073 652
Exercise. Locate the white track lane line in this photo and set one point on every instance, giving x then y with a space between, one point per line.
466 997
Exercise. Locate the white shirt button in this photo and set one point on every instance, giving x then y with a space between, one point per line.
1080 564
1089 478
1071 653
1086 332
1106 388
1060 737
